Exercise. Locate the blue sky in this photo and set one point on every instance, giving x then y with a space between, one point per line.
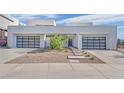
57 17
97 19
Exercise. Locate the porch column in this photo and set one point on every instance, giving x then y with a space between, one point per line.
79 41
45 42
44 37
42 41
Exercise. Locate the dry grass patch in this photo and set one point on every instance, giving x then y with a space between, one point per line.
44 56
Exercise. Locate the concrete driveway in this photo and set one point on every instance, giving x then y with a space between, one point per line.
109 56
9 54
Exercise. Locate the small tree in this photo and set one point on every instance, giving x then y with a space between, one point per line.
58 41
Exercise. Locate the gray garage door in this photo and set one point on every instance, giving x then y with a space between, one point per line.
94 43
28 41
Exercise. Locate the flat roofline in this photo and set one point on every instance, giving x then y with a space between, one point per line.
64 26
42 21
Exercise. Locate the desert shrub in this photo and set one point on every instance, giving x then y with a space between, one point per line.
58 41
87 55
91 58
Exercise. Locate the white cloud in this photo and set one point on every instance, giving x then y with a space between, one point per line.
96 18
25 16
50 15
32 16
116 18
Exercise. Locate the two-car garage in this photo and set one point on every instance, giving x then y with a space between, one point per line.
28 41
94 43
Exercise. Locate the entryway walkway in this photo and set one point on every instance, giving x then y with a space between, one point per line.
77 54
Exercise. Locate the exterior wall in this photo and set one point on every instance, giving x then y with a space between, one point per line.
79 41
75 42
111 40
110 32
47 42
42 41
41 23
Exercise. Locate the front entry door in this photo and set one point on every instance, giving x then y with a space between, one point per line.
70 43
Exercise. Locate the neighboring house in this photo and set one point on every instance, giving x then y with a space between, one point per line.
5 21
122 41
37 34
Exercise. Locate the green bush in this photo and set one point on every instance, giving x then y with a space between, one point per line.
58 41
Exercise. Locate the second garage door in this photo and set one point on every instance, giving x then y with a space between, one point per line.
94 43
28 41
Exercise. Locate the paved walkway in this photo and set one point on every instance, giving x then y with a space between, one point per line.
61 71
9 54
109 56
77 55
76 52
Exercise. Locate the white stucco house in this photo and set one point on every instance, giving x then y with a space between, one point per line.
37 33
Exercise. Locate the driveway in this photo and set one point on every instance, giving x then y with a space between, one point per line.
9 54
109 56
121 50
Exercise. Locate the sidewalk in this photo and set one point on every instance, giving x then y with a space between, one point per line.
60 71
